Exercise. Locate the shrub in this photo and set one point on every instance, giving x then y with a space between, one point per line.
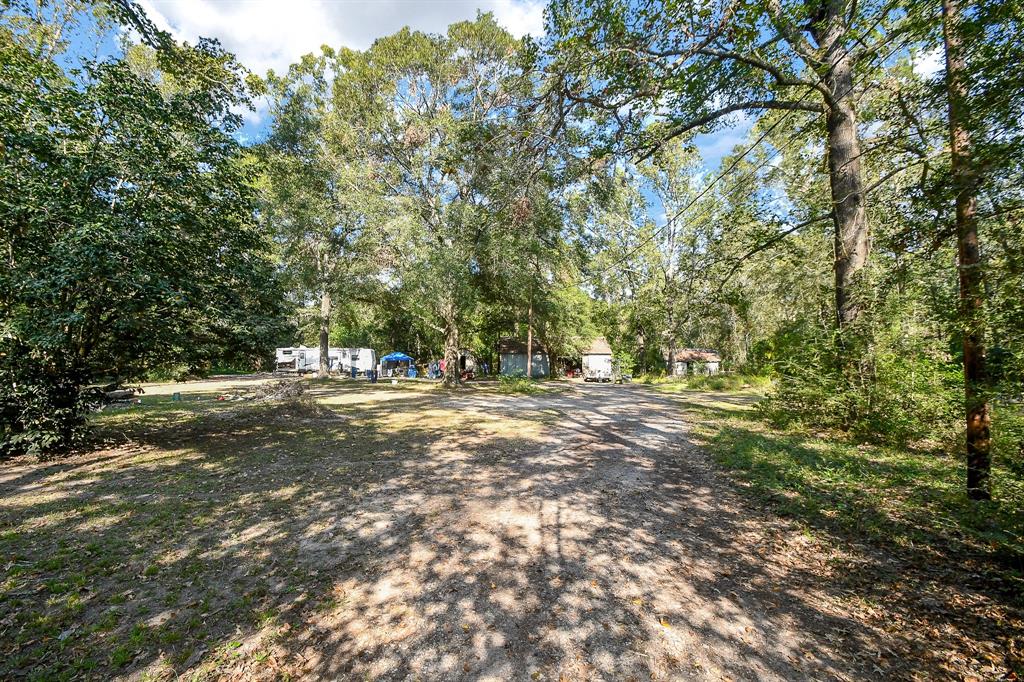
1008 436
517 384
42 404
725 382
894 390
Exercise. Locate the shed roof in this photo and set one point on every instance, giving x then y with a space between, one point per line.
695 355
510 345
598 346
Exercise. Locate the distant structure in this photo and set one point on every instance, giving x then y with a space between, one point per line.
512 359
685 361
597 361
300 359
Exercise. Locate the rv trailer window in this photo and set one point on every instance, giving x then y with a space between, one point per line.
286 352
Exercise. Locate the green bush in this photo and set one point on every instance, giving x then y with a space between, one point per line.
725 382
43 405
517 384
103 281
1008 436
890 389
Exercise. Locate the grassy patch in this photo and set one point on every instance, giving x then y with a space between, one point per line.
707 382
905 497
190 521
518 385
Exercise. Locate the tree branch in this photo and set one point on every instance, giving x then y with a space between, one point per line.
783 105
780 77
768 244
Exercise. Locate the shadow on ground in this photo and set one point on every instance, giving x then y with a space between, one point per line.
427 535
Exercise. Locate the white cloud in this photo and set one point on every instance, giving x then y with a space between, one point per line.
270 34
519 18
928 63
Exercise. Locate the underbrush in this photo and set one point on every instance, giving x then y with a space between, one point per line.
909 497
517 384
708 382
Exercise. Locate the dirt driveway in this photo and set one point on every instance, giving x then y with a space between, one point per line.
576 535
604 548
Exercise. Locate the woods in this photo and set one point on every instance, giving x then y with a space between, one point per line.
439 192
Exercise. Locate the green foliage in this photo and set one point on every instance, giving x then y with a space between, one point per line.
722 382
727 382
890 494
127 232
518 384
1008 436
42 404
903 391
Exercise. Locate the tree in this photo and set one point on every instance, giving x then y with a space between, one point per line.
985 142
968 259
128 233
691 65
320 194
441 116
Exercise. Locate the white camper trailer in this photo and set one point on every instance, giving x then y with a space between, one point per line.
298 359
363 359
302 360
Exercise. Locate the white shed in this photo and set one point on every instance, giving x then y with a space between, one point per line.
685 361
597 361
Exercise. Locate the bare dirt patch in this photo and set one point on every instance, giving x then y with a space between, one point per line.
422 534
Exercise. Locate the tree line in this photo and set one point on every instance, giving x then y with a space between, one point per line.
860 244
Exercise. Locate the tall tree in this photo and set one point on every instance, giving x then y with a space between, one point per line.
320 196
691 65
968 259
128 231
438 111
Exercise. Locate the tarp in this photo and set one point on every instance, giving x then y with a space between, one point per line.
396 357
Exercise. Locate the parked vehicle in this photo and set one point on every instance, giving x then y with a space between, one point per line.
362 359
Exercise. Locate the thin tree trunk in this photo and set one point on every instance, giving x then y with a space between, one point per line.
529 342
972 291
325 328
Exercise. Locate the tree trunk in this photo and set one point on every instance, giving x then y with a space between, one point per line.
972 297
529 342
852 242
325 328
452 376
831 31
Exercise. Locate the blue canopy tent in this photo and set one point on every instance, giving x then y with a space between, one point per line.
398 357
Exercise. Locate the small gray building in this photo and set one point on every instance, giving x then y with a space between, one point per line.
684 361
512 359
